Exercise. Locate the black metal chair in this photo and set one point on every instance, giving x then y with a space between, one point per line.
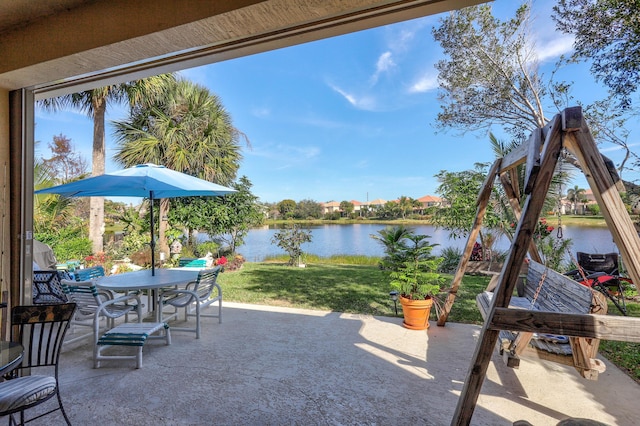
47 287
41 330
601 272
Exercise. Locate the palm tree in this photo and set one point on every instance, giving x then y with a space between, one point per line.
392 239
407 205
187 130
94 103
575 195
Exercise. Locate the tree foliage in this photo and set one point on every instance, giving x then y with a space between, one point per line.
607 32
65 164
235 214
460 190
290 240
188 130
490 75
286 208
608 124
575 195
346 207
94 103
307 209
406 205
227 218
408 262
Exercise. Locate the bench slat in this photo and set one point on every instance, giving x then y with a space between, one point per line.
129 334
558 293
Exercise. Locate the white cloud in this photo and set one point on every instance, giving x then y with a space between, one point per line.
366 103
385 63
425 83
617 147
554 48
400 36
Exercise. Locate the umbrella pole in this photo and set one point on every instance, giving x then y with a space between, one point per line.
153 240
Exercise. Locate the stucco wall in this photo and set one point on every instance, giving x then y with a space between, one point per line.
4 197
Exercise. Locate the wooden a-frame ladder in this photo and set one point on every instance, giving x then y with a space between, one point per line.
570 130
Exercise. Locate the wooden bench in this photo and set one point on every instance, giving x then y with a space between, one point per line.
556 293
130 334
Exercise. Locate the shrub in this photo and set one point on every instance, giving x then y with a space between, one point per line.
75 248
452 256
412 268
290 240
207 247
594 209
142 257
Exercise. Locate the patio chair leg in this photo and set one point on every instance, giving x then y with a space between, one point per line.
197 320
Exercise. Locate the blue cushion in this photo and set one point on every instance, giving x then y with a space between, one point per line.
24 391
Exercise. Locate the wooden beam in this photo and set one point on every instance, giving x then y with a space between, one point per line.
518 155
582 145
515 157
533 161
510 271
482 202
572 119
517 212
608 327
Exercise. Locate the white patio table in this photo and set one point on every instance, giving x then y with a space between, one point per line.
143 280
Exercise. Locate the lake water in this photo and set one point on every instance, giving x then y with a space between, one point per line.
356 239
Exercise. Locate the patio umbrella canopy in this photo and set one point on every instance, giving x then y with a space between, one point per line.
145 180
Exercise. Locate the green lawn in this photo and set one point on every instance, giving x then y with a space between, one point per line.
363 289
341 288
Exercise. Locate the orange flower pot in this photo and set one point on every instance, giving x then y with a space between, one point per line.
416 313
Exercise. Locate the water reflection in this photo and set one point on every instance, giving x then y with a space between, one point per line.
355 239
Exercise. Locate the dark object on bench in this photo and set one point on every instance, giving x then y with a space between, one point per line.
600 272
555 293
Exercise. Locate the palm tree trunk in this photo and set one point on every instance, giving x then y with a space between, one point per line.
96 204
163 246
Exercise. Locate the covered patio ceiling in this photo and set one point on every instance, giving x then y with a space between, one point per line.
63 46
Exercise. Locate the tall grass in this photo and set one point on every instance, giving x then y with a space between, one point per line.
335 259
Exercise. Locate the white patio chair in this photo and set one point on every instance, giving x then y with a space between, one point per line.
196 296
93 305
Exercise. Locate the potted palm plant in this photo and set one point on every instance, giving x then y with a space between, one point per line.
413 273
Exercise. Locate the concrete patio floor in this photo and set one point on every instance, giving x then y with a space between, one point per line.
275 366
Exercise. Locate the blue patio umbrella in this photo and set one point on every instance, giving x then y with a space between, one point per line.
145 180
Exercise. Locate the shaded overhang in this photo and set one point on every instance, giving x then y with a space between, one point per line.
62 46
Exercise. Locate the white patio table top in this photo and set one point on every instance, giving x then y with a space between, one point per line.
143 280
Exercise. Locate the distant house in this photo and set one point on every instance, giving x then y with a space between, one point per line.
378 202
357 205
330 207
582 206
430 201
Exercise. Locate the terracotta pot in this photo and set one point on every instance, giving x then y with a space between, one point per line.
416 313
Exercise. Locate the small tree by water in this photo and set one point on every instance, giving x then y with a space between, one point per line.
290 240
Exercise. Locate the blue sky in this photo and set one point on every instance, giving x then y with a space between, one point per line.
346 118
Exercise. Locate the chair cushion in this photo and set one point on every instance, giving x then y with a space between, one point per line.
24 391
